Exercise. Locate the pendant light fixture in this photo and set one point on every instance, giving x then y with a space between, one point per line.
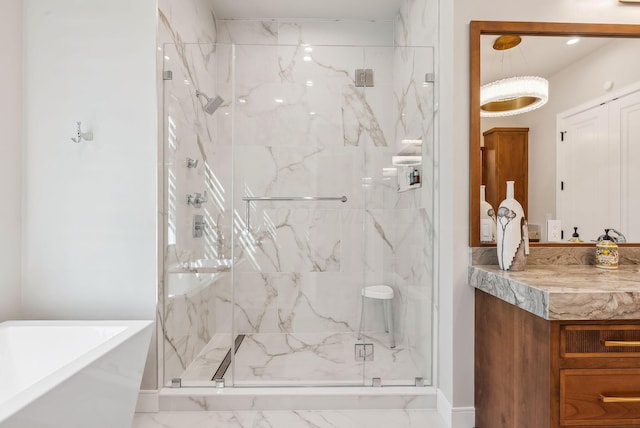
513 95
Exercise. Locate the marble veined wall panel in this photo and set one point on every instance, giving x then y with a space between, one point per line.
189 321
302 128
414 57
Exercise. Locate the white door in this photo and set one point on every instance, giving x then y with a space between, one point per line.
588 175
625 123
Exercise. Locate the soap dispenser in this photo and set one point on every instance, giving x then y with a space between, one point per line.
575 237
606 252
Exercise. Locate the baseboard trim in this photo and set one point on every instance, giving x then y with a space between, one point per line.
463 417
455 417
148 401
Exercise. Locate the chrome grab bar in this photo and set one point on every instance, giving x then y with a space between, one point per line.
249 199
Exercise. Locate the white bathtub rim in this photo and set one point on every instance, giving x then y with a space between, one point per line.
49 382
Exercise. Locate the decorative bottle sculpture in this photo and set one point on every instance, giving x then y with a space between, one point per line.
512 237
487 220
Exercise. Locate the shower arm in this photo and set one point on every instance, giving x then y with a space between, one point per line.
203 95
249 199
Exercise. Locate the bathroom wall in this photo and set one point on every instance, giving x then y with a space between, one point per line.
323 140
10 153
314 144
89 213
415 261
456 303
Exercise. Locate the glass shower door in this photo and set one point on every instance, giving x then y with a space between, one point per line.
307 126
196 215
296 288
264 264
399 216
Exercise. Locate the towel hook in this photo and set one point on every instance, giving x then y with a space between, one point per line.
80 136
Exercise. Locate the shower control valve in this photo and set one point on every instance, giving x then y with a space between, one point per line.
199 226
197 199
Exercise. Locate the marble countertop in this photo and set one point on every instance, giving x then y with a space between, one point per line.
562 292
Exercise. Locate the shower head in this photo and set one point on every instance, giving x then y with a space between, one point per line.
212 104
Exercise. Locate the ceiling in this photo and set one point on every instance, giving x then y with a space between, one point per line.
535 55
540 56
307 9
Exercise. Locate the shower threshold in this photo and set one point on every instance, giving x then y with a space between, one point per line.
297 398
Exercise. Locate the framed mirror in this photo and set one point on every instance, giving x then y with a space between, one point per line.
535 52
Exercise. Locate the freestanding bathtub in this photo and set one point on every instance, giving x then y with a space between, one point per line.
71 374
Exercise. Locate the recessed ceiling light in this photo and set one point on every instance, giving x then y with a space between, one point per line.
573 41
307 58
279 100
309 82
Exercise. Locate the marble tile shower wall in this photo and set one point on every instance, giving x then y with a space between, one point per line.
325 139
301 265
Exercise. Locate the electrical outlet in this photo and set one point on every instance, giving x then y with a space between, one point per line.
554 230
486 230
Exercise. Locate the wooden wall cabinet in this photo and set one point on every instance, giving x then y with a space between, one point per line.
534 373
505 157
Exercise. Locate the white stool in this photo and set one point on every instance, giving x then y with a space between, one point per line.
384 293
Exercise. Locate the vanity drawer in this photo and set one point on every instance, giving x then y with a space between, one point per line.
587 341
600 397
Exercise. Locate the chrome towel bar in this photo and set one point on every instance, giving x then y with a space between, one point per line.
293 198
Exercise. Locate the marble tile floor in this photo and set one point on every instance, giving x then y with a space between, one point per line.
292 419
304 359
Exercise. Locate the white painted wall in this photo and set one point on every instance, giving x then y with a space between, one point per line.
89 242
445 203
457 380
10 155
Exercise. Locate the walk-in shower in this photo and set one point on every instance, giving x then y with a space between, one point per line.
304 209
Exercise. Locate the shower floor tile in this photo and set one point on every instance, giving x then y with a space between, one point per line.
304 359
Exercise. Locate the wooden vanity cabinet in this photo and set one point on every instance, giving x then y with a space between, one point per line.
534 373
